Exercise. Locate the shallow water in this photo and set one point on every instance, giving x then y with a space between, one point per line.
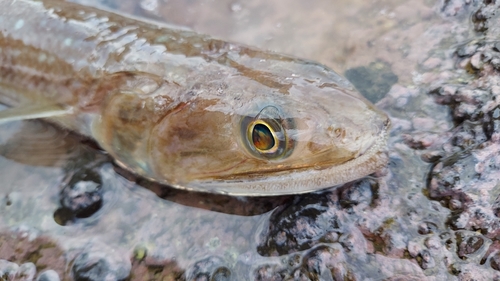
99 222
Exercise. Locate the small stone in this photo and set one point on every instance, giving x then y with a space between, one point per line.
268 273
414 248
455 204
211 268
427 228
347 241
26 272
495 261
431 63
48 275
96 267
299 225
426 260
496 47
467 50
433 243
432 156
495 62
325 261
468 245
8 269
476 61
82 196
358 193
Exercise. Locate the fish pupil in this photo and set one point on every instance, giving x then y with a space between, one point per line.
262 137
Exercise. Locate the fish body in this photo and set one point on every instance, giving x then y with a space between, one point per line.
185 109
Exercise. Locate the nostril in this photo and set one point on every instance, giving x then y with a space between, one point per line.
337 133
340 133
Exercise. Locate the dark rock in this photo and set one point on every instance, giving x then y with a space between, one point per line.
468 244
95 267
373 81
360 192
210 269
82 196
479 18
300 225
495 261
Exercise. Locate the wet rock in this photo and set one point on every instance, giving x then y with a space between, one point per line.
495 261
373 81
471 272
433 243
305 222
326 263
467 50
427 228
465 183
8 270
96 270
453 7
26 272
320 263
210 269
360 194
419 141
12 271
48 275
96 266
468 244
426 260
388 238
432 156
449 177
146 267
481 18
82 195
269 273
30 252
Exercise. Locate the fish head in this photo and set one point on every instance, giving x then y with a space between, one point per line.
244 135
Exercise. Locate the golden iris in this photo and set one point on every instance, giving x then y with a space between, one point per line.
265 135
262 137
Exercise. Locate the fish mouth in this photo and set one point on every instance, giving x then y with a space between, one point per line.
301 179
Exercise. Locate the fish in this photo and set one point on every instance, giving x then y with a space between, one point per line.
184 109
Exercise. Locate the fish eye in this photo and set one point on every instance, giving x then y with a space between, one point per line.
265 136
262 137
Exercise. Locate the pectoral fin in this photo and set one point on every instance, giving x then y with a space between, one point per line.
33 112
42 144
